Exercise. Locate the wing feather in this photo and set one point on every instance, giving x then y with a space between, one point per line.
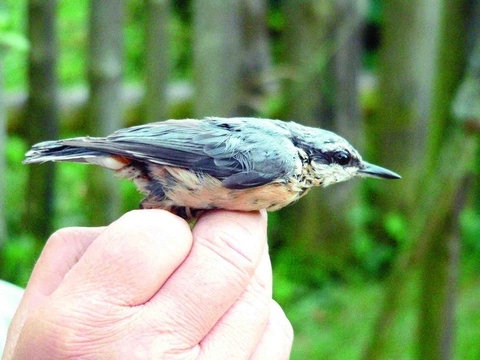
242 152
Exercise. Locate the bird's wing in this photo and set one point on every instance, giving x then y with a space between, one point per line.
242 152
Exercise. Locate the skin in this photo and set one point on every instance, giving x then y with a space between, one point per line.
147 287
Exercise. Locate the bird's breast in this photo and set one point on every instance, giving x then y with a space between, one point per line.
183 187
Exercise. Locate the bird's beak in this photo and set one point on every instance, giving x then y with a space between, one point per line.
370 170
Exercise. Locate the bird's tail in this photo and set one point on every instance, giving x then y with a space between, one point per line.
60 151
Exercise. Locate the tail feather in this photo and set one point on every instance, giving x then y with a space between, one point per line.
56 151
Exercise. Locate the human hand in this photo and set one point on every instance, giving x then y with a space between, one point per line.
146 287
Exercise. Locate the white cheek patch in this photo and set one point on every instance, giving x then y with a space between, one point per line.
106 162
334 173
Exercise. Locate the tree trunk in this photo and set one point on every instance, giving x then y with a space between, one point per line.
105 67
347 122
157 63
428 246
256 69
217 49
316 45
397 136
437 304
437 196
42 112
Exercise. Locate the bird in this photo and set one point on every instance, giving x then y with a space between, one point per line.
190 166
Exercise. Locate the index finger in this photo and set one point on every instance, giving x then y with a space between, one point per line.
62 250
131 259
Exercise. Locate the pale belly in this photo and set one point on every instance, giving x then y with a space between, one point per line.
183 188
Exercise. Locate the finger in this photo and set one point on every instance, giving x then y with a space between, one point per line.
131 259
61 252
276 341
239 331
226 251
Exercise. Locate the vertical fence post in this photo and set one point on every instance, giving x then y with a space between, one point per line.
157 64
42 112
105 67
318 38
217 56
256 68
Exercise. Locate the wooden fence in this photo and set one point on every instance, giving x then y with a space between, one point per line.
233 74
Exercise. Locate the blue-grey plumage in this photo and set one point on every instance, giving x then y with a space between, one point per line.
231 163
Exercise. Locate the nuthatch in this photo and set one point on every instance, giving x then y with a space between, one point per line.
188 166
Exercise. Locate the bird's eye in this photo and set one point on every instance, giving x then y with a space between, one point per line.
341 158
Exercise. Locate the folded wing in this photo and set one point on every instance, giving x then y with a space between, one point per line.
242 152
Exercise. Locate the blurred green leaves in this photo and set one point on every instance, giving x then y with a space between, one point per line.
9 37
19 255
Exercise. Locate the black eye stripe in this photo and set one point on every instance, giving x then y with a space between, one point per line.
341 157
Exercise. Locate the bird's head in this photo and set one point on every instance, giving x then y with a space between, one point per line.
332 159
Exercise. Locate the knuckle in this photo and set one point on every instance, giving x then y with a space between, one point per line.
59 237
261 289
240 234
152 219
230 253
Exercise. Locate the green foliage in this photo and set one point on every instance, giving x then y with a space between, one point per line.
470 225
71 199
468 319
134 39
470 234
72 39
372 256
72 30
396 227
130 196
294 278
16 180
12 41
335 323
19 255
10 38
